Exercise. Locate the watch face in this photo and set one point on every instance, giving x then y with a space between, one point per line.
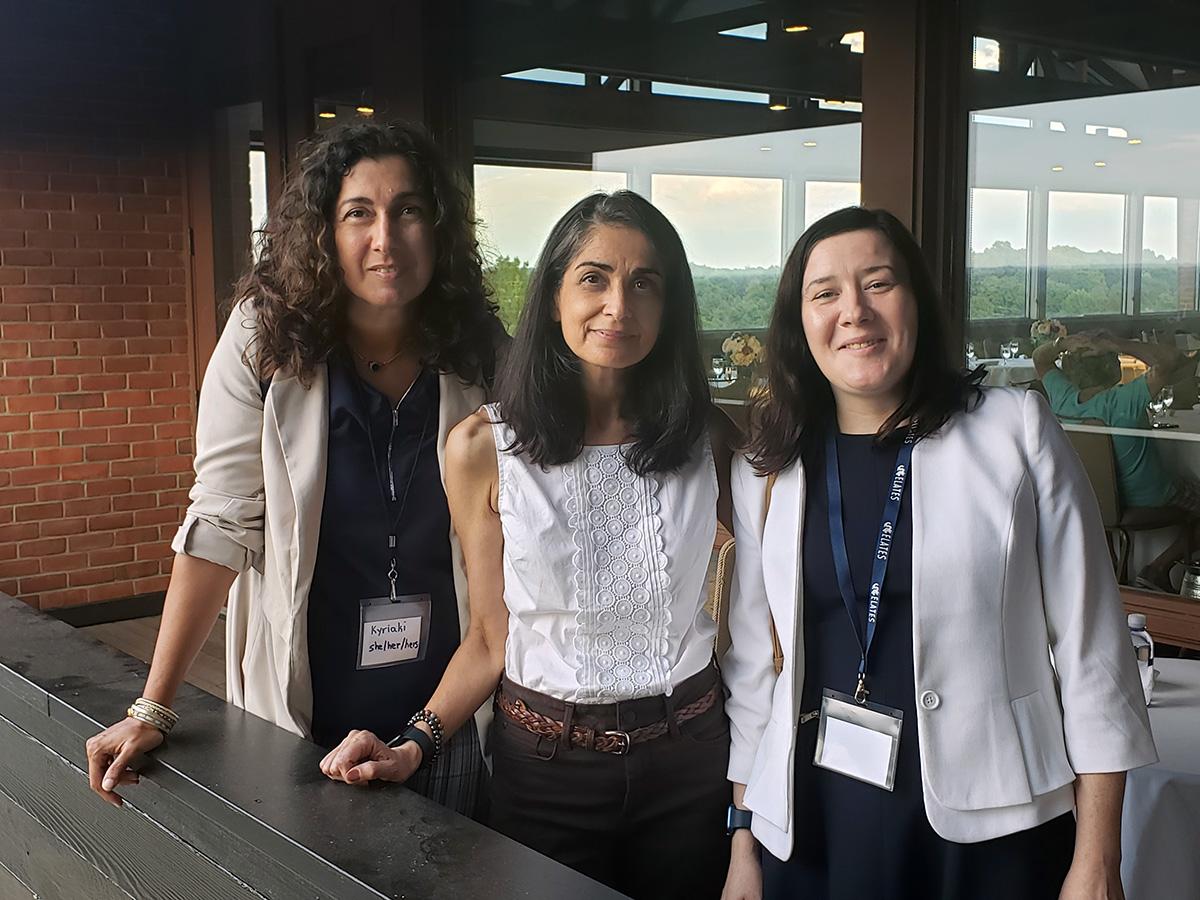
737 818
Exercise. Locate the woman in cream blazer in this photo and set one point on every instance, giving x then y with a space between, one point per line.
362 335
1023 680
256 509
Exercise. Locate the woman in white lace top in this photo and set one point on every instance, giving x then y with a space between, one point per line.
586 501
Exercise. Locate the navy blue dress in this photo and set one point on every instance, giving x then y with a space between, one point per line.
855 841
352 554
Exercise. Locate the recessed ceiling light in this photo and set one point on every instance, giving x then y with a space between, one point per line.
765 149
1099 164
1135 140
326 111
795 29
1056 168
365 110
810 143
778 103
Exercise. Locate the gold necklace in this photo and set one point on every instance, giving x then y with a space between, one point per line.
376 365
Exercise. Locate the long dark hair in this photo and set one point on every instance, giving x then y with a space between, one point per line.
540 387
790 419
296 285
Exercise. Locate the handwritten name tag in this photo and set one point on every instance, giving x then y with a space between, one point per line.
393 632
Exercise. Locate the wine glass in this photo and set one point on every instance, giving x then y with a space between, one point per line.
1167 395
1156 410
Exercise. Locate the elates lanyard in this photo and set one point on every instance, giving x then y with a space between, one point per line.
883 546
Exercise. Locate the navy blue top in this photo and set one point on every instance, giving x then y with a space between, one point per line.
353 555
854 839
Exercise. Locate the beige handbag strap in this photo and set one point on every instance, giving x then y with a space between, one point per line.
776 647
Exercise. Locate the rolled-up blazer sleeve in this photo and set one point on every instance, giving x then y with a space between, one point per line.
1105 724
747 667
224 521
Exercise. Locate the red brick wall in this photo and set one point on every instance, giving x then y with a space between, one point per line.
96 400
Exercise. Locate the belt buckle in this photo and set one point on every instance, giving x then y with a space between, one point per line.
623 737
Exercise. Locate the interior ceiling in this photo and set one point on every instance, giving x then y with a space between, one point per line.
668 40
1159 32
1076 49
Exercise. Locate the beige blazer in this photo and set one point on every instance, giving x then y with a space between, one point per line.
256 508
1010 566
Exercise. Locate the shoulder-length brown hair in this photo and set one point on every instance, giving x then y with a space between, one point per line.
540 387
296 286
790 419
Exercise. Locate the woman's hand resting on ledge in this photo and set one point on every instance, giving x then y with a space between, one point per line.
362 757
110 753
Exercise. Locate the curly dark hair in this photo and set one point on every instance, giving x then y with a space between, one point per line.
296 285
540 387
790 419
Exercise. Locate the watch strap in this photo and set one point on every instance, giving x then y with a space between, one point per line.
418 737
737 818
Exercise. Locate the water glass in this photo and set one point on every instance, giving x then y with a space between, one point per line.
1156 410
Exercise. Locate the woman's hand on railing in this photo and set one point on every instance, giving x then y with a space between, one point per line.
362 757
110 752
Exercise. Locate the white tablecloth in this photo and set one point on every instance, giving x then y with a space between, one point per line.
1009 372
1160 828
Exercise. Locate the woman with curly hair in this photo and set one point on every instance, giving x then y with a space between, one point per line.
360 337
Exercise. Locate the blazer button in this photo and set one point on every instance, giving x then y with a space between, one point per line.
930 700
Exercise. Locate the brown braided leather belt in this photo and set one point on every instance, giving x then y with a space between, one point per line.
617 742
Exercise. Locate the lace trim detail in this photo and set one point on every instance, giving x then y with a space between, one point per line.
620 578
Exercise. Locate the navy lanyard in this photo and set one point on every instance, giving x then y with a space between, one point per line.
883 545
393 573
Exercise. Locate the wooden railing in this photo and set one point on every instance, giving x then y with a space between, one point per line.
231 808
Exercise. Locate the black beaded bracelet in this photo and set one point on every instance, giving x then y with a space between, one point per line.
430 718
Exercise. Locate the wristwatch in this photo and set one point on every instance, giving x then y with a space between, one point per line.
737 818
418 737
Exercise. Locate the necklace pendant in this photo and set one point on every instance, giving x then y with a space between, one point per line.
374 366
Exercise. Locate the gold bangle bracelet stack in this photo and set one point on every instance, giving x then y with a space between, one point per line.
161 717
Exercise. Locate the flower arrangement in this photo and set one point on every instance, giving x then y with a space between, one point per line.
743 349
1043 331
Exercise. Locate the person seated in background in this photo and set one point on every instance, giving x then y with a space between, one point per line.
1088 386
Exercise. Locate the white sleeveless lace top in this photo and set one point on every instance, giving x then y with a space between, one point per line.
604 572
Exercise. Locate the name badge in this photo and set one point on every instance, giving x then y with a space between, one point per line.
858 739
392 632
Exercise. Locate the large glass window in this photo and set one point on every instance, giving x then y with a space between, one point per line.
824 197
733 229
1160 282
741 130
1086 266
998 270
1084 221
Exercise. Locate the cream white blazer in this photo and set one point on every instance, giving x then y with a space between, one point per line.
1024 674
256 508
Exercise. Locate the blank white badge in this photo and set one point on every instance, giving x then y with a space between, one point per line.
858 739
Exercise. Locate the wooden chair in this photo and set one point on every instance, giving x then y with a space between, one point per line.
1095 451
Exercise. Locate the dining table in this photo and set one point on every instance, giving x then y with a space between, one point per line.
1017 371
1160 825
